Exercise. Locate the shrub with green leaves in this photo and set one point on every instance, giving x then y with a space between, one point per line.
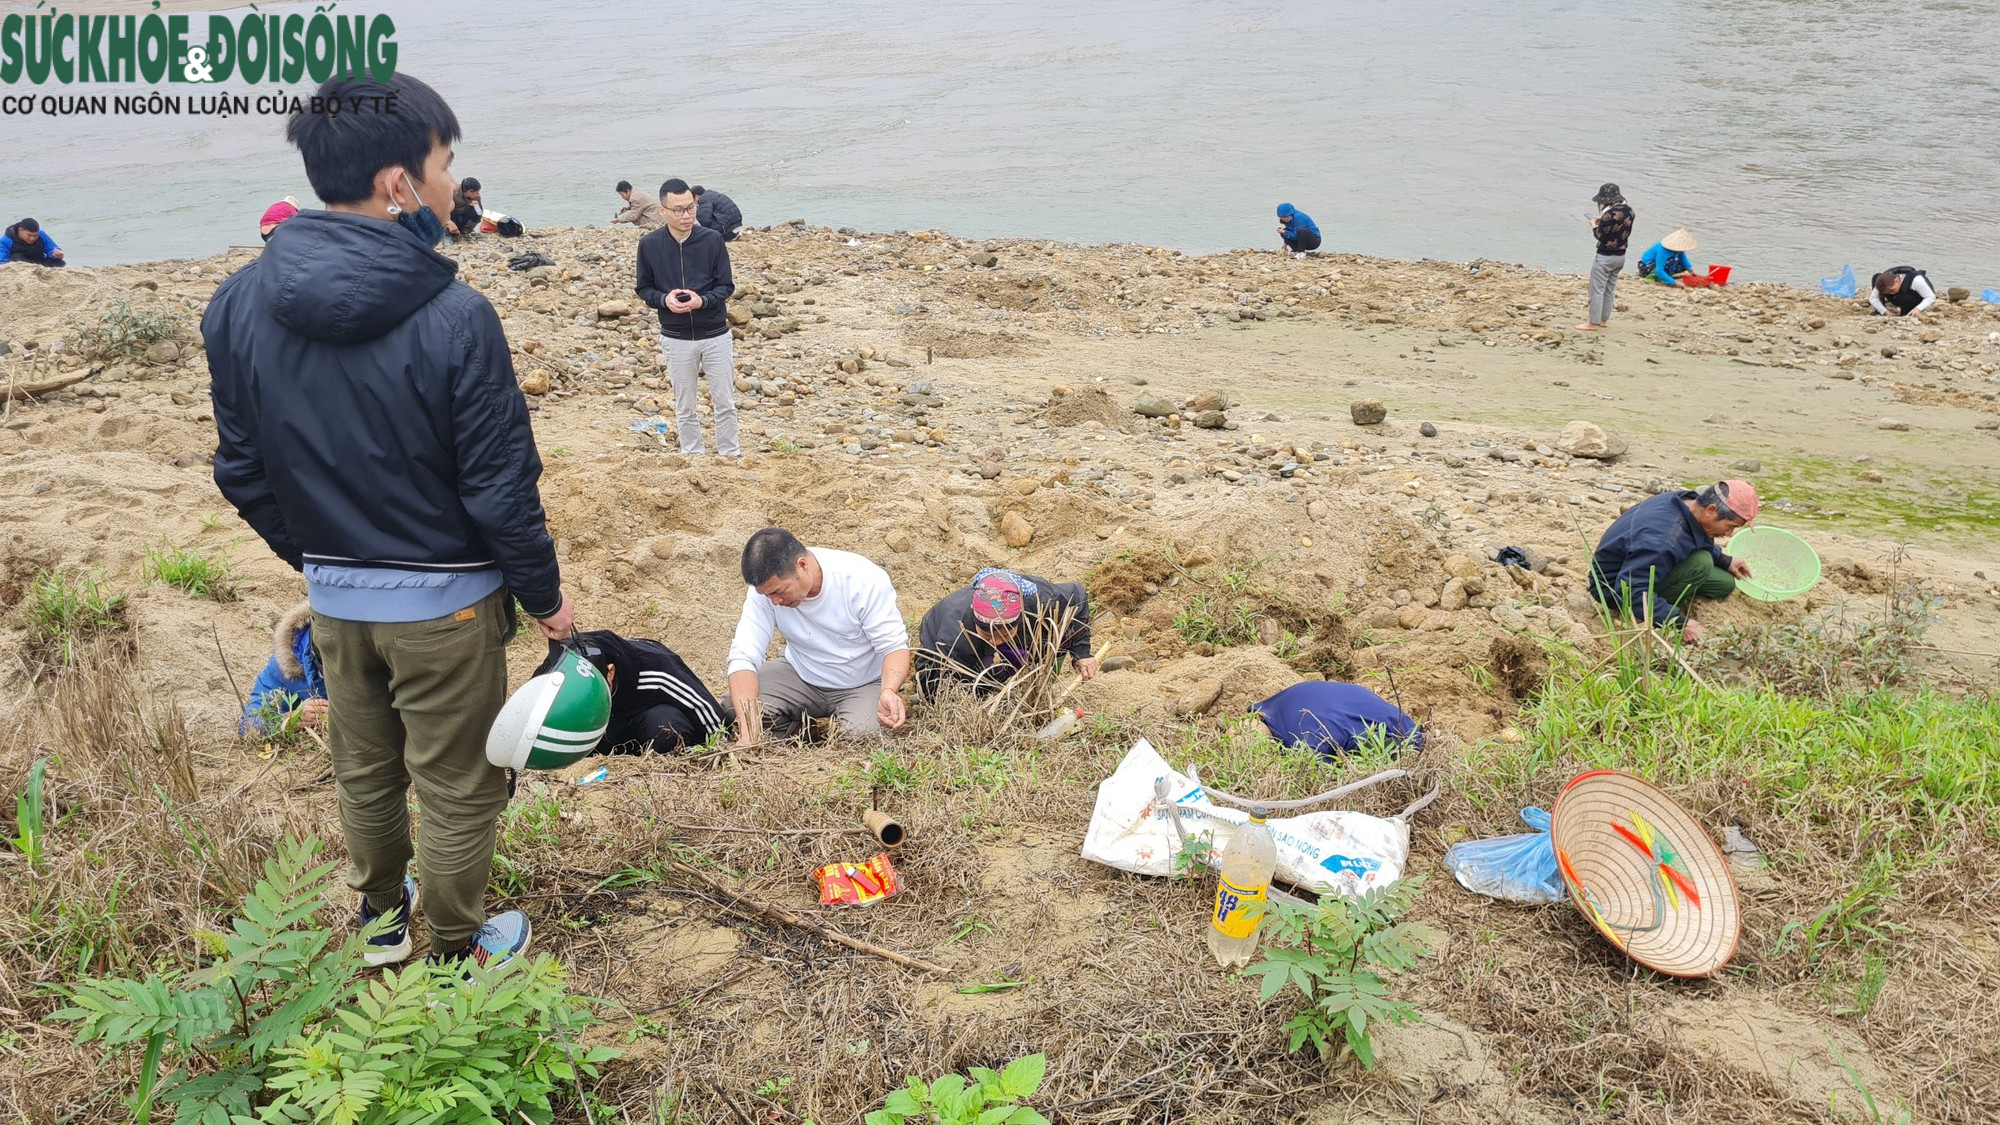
125 329
278 720
286 1025
1335 954
979 1097
1217 621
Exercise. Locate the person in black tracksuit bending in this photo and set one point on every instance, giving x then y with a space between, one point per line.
684 273
658 704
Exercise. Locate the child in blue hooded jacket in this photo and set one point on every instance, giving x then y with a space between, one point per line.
1297 229
292 680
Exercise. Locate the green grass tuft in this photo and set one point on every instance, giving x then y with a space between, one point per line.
192 571
65 607
1924 753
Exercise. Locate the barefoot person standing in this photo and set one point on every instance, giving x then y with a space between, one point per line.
1613 228
370 431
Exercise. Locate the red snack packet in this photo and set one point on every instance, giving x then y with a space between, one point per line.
857 884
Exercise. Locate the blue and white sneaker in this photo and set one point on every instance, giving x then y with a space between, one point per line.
392 946
503 936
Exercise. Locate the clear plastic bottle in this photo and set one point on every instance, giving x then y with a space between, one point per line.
1061 725
1240 894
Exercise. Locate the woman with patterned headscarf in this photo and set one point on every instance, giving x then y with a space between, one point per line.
1003 622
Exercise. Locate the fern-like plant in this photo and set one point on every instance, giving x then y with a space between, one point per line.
1335 955
285 1026
426 1045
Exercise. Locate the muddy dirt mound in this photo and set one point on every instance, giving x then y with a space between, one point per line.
957 341
1089 404
1224 684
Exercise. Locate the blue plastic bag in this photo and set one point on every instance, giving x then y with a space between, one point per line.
1842 286
1990 296
1515 868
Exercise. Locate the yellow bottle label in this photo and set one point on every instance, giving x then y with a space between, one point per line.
1237 909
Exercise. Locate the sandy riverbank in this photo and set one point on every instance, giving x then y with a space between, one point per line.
900 396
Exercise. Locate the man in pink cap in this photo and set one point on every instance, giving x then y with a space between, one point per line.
984 633
1661 554
274 214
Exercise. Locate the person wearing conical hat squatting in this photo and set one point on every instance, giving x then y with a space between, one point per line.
1666 261
1661 555
1297 230
983 634
274 214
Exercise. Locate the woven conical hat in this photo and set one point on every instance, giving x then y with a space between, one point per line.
1680 240
1645 874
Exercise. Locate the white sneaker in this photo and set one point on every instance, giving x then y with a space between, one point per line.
392 947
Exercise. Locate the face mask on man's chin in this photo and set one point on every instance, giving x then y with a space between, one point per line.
423 222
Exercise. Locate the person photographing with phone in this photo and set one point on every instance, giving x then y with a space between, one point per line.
1611 226
684 273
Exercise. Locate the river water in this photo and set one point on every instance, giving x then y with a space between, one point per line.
1791 136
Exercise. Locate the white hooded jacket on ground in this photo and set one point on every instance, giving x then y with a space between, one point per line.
836 640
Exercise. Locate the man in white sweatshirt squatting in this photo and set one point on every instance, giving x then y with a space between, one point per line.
847 651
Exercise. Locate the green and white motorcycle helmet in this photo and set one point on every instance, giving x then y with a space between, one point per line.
552 720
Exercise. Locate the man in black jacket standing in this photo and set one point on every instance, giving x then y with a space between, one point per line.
371 432
684 273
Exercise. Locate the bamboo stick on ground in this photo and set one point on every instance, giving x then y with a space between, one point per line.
746 905
31 390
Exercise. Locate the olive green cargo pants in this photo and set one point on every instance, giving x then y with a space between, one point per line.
409 703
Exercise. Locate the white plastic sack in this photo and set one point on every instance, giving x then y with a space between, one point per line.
1131 829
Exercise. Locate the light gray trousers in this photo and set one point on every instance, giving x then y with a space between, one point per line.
1603 286
687 362
788 702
